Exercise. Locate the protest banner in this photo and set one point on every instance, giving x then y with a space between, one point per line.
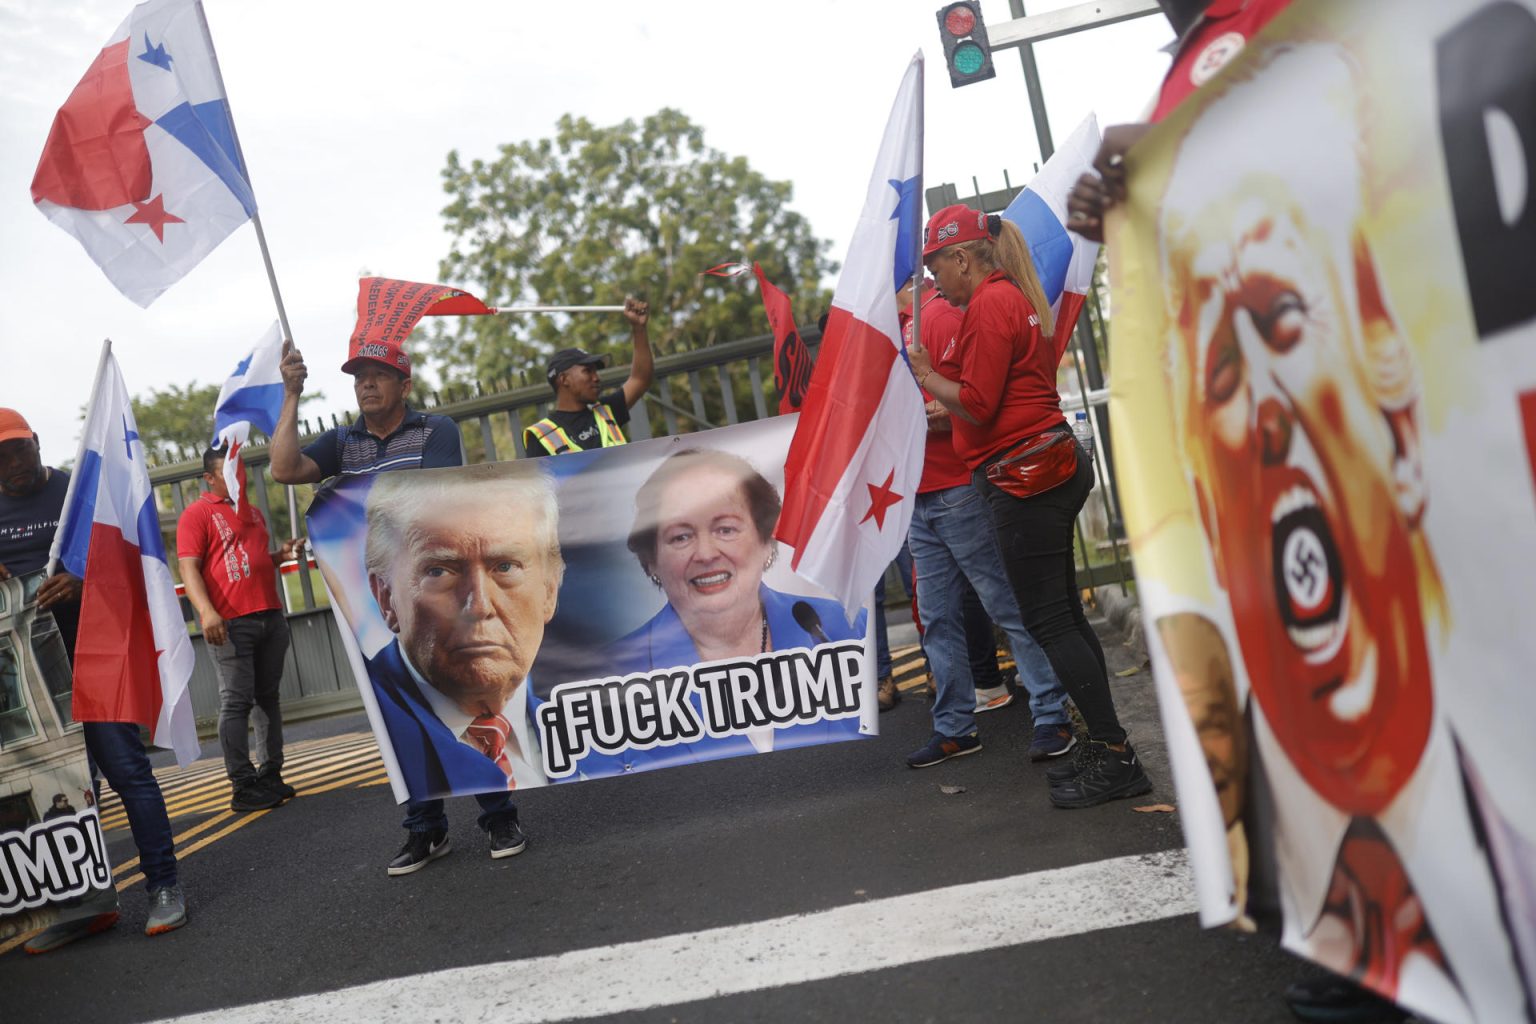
608 611
1325 399
53 860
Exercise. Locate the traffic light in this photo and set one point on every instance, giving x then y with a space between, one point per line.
966 49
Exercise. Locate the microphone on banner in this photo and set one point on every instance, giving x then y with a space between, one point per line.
808 620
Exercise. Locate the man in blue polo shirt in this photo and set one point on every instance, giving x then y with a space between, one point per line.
389 435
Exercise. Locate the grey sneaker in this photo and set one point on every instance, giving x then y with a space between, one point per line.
167 910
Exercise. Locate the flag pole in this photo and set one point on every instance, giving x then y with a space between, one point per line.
917 243
74 478
503 310
234 134
261 236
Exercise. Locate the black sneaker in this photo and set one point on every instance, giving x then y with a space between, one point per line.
252 796
1083 757
272 777
507 840
1114 775
1331 999
420 849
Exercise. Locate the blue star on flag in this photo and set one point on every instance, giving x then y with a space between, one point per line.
906 217
129 436
155 55
245 364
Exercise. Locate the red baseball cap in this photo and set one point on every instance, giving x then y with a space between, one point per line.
13 426
392 356
952 225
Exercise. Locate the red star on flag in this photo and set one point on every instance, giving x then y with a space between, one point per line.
880 499
153 214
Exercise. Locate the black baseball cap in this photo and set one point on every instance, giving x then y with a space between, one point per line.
569 357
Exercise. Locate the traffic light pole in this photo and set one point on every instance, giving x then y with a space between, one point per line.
1064 22
1024 31
1033 87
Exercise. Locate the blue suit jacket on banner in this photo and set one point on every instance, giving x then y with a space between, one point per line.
664 643
433 761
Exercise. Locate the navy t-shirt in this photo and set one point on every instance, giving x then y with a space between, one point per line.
27 525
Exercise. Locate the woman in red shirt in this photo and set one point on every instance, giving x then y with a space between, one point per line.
998 381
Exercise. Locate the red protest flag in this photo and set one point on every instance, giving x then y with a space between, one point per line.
387 309
791 359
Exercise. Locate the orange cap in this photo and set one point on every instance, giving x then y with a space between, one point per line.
13 425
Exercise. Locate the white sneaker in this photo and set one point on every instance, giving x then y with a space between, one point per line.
990 699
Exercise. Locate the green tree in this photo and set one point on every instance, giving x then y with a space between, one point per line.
176 424
596 213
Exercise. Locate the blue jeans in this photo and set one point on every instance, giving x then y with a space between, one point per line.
952 535
428 815
115 751
980 642
883 666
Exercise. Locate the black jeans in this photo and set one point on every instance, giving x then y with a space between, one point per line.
1035 534
249 665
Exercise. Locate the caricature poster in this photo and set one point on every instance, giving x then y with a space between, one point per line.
1325 405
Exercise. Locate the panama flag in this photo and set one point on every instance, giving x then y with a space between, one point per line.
252 396
1063 260
133 660
857 454
141 164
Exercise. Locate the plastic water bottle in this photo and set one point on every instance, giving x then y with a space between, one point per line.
1083 431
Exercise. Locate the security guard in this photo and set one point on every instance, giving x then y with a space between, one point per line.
582 418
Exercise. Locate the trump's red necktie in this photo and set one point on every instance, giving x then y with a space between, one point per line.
489 733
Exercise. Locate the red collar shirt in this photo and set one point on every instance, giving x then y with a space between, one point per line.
942 468
237 568
1006 369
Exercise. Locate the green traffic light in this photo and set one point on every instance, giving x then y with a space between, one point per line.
968 58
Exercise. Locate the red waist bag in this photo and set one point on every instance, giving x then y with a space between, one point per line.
1036 464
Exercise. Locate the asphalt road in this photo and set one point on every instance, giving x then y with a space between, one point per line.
295 901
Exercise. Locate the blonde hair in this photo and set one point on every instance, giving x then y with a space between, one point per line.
1009 253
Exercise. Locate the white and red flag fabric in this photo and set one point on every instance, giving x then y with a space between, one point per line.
141 164
857 455
791 359
1064 260
251 397
133 660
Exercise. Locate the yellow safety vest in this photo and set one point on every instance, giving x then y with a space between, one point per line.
556 441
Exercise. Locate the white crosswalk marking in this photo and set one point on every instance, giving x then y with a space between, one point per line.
679 969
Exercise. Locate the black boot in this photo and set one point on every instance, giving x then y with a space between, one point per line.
1112 775
271 777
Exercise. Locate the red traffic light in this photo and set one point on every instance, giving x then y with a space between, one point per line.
959 20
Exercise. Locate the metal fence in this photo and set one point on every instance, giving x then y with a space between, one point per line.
719 385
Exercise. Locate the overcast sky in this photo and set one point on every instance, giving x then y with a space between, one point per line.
346 110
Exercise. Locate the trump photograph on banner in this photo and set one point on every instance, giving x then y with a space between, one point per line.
606 612
1331 496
